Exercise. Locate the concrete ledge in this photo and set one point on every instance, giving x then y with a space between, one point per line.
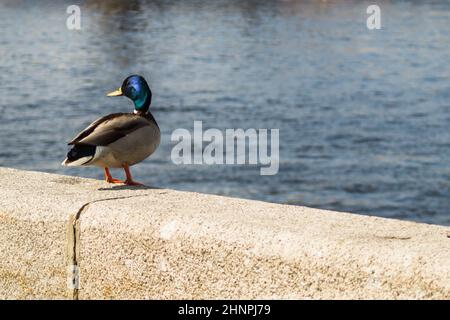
158 244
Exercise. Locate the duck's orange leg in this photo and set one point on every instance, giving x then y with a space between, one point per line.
109 178
129 181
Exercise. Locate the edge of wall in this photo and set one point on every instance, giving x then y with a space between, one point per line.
73 238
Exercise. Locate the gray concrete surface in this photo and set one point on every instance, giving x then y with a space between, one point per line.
144 243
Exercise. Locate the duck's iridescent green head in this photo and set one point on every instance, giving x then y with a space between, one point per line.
136 88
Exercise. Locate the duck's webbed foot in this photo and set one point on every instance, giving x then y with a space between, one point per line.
129 181
132 183
109 178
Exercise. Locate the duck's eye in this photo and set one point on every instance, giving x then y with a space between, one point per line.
132 92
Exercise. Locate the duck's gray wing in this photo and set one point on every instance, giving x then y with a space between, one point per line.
90 128
109 129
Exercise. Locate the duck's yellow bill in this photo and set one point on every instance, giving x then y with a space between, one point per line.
116 93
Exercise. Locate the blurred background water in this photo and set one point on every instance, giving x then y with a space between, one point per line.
363 115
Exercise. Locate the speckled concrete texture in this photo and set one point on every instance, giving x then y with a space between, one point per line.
36 211
149 243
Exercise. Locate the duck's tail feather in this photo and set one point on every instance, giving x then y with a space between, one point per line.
79 155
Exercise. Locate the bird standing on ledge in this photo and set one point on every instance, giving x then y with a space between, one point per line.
119 140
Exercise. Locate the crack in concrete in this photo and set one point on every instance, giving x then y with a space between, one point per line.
73 237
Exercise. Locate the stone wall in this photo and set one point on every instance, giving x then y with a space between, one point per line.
73 238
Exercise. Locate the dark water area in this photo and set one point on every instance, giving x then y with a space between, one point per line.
363 115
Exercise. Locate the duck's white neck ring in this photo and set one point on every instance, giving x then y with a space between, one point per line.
139 112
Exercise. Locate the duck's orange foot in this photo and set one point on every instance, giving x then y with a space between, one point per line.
129 181
109 178
132 183
113 180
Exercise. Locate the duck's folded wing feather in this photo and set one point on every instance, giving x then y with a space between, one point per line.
108 129
90 128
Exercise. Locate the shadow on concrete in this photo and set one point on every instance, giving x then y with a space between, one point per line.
125 187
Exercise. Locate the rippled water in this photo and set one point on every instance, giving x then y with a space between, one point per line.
363 115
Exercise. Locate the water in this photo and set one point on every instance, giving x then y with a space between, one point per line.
363 115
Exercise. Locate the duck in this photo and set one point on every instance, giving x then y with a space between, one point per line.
119 140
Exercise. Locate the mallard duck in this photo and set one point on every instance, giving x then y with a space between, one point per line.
119 140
